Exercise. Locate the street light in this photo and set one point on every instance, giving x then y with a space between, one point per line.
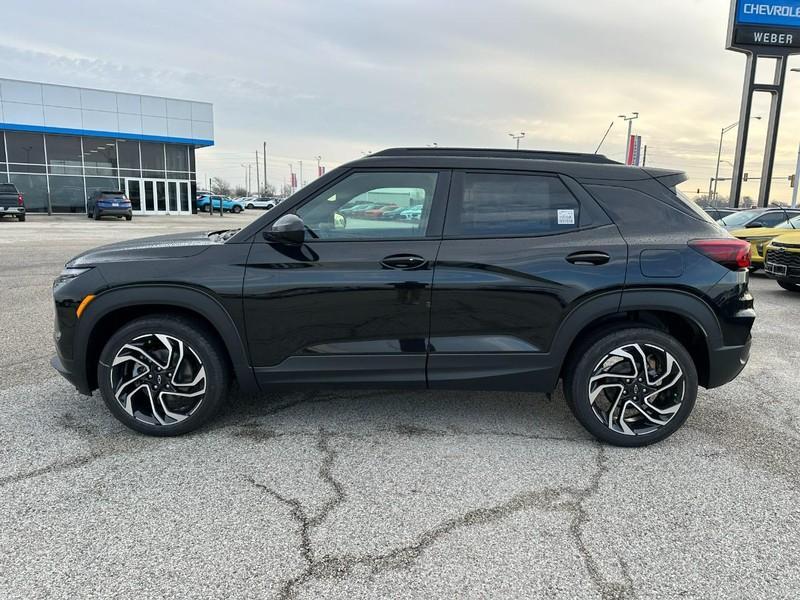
517 137
713 194
797 169
630 121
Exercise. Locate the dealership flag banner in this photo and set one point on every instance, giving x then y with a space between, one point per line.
320 171
634 157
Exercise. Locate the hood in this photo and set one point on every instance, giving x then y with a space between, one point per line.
757 232
180 245
790 239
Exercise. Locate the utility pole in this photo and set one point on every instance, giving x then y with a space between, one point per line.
258 177
796 181
319 161
300 184
265 166
644 157
630 121
517 137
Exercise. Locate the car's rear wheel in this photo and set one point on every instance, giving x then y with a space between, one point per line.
789 286
631 387
250 206
96 214
163 375
205 208
21 218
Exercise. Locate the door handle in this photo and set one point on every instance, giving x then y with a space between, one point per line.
588 258
404 262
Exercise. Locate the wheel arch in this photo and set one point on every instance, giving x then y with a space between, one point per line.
686 317
115 308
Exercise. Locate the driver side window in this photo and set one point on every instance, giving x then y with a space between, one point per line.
373 205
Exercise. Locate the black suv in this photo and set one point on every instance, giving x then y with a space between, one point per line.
523 268
109 204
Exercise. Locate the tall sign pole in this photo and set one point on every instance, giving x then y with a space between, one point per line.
762 29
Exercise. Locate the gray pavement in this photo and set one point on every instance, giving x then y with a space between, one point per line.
383 494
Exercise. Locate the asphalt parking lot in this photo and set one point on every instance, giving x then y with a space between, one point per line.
383 494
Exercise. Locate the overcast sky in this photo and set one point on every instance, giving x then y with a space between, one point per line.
337 79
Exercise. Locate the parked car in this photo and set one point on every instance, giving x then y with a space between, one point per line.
12 202
377 213
263 202
758 217
109 204
759 237
358 209
413 213
782 260
528 267
717 213
205 203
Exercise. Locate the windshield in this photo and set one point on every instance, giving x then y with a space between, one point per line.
739 218
790 224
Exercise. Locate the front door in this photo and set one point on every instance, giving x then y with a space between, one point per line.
154 196
352 304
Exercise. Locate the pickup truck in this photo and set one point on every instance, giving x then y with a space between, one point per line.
11 201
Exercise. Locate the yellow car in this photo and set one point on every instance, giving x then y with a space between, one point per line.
759 237
782 261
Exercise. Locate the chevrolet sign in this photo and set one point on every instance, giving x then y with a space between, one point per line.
765 26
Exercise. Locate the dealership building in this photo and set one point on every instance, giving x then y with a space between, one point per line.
58 144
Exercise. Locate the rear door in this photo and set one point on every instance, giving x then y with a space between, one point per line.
520 252
352 304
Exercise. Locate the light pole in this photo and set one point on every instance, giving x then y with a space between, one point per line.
712 194
517 137
319 166
797 168
630 121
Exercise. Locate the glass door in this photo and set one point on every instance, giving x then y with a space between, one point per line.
133 190
149 195
172 193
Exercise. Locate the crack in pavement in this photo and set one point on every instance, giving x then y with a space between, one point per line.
565 499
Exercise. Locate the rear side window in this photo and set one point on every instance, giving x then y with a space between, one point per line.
505 205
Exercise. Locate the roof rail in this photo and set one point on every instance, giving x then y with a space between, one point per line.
498 153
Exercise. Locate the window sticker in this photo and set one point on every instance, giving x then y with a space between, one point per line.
566 217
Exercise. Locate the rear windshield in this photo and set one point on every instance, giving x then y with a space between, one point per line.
8 187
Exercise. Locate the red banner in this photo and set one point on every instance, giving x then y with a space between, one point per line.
294 180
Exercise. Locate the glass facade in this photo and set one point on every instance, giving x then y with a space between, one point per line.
57 173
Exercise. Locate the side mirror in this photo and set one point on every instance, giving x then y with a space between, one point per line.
289 230
754 224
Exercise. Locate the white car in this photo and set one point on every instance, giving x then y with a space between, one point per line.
263 202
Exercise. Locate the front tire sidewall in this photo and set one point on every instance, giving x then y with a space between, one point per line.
199 340
576 385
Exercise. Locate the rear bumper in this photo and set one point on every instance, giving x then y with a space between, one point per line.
12 210
726 363
118 211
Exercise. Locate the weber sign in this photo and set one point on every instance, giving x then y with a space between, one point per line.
765 27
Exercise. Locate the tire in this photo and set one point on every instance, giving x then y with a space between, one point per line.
206 208
593 366
789 286
236 209
140 353
21 218
128 217
96 215
250 207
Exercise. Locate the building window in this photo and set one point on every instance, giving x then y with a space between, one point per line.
177 161
152 160
67 194
100 156
64 154
101 184
129 163
34 189
25 149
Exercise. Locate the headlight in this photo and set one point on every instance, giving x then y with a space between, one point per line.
68 275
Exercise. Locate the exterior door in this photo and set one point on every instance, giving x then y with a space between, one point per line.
520 252
133 190
155 196
353 302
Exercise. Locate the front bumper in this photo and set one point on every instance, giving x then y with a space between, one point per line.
64 368
783 264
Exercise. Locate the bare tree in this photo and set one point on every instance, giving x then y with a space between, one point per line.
287 190
220 187
269 190
239 191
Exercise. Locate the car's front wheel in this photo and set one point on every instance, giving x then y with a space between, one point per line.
236 209
163 375
789 286
631 387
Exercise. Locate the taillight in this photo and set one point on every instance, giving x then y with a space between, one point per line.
734 254
20 201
